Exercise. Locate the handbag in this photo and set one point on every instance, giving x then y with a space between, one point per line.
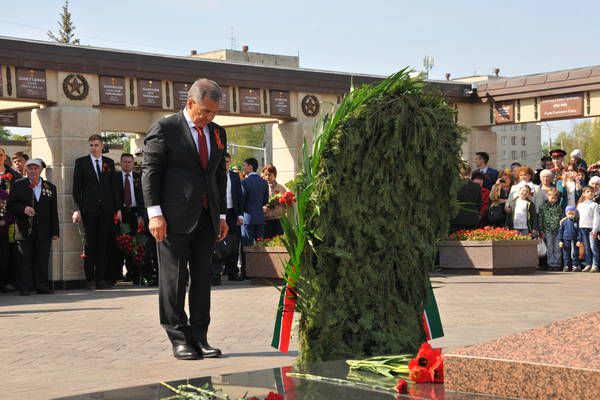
542 249
496 213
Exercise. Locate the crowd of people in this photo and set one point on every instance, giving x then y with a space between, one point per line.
108 203
558 204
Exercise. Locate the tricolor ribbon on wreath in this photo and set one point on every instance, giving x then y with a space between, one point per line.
283 321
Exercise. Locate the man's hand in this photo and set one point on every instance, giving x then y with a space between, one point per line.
224 229
54 237
29 211
140 222
76 217
119 216
158 227
240 221
561 245
578 244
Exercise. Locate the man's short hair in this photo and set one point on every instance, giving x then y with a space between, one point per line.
478 175
546 159
205 88
253 162
515 164
127 155
20 154
227 155
485 156
96 137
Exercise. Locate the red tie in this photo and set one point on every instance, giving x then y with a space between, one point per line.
203 150
127 191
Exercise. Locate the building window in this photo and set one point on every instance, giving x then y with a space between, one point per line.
524 155
523 127
505 155
504 127
514 154
513 140
514 127
524 141
504 140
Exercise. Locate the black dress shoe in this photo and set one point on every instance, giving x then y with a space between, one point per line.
45 291
207 351
215 280
234 277
91 285
103 285
185 352
24 293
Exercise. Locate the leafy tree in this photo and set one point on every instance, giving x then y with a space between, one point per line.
4 133
251 135
585 136
66 32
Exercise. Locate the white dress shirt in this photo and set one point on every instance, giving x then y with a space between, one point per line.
94 165
133 201
154 211
37 190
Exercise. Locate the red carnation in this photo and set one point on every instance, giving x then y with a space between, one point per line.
402 386
274 396
7 176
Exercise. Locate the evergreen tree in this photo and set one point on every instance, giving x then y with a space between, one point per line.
384 193
66 32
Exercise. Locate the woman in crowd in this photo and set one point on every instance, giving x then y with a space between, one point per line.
525 175
498 199
514 170
273 212
546 182
569 187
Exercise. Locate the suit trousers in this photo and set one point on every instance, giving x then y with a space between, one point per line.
180 256
32 270
234 230
97 226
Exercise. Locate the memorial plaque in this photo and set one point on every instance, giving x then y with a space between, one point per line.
1 86
180 94
280 102
112 90
31 83
249 101
504 112
149 93
563 106
8 119
224 102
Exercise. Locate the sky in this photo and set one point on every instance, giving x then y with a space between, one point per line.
372 37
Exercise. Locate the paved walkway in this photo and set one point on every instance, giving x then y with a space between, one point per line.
79 341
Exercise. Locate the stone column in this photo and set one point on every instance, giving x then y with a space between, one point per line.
59 135
287 139
480 139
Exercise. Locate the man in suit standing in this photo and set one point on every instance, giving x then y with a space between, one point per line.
133 213
256 195
96 196
32 201
491 175
235 219
184 182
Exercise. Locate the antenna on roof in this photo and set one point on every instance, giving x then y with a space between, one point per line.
232 39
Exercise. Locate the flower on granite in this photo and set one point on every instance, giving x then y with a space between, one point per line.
427 366
402 386
274 396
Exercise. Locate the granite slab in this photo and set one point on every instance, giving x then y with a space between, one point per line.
557 361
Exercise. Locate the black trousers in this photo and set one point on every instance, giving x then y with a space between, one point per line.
32 270
234 231
4 261
175 254
97 227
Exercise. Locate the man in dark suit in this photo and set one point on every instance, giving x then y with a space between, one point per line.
184 182
32 201
235 219
256 195
469 195
96 196
133 213
481 163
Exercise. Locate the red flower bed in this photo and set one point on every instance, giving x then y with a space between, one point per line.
488 233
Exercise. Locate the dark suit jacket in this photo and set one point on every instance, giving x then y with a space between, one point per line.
256 195
236 193
491 176
173 177
46 210
469 195
136 183
90 195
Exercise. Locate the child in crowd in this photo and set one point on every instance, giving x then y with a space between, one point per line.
569 235
523 217
589 225
549 218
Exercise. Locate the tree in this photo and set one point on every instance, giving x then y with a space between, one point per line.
251 135
66 32
4 133
585 136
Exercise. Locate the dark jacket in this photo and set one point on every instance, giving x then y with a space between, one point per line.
491 176
173 177
45 221
90 195
236 193
532 217
136 183
256 195
569 230
469 197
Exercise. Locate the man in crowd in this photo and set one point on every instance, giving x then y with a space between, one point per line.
18 162
558 156
545 163
32 201
185 182
235 218
96 193
256 195
133 214
481 163
469 194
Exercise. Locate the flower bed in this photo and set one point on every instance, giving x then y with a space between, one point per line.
489 251
266 259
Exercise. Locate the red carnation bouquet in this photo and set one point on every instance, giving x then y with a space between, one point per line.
132 244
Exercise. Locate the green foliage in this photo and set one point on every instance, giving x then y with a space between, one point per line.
4 133
383 178
585 136
251 135
66 32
